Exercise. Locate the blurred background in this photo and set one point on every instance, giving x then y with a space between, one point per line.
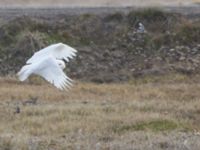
137 75
154 37
95 3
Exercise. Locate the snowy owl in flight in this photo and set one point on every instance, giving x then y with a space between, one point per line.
49 64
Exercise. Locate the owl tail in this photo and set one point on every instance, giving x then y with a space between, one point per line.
24 73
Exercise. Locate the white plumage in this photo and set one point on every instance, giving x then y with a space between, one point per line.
141 28
48 63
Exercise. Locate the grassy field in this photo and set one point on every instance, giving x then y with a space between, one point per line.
149 113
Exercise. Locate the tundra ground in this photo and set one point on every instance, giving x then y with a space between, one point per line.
151 113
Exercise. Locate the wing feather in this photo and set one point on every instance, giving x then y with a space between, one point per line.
54 74
59 51
44 63
50 71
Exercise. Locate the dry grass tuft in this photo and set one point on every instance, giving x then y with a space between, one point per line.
92 116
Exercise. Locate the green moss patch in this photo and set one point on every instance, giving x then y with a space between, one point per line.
155 126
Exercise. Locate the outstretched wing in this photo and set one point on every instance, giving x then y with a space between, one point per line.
59 51
49 70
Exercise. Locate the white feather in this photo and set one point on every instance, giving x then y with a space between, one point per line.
59 51
49 70
45 63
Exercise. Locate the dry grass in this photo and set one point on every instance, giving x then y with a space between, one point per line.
98 116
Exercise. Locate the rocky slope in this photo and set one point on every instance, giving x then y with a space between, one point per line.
109 47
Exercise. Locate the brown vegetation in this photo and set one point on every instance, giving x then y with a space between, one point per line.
161 112
146 112
109 48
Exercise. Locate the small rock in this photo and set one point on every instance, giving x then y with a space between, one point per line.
172 49
182 58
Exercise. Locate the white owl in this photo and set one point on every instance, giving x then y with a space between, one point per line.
48 63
